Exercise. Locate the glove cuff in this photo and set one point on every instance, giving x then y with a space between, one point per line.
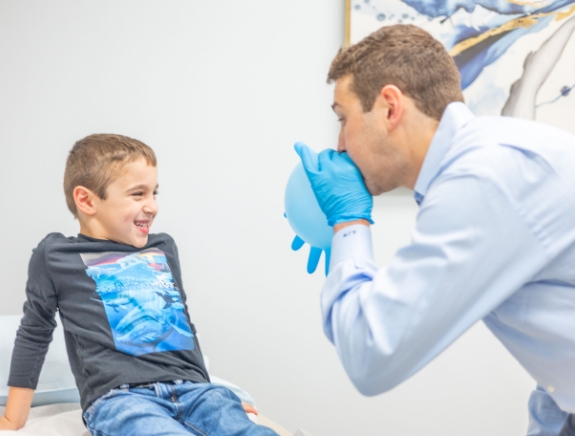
346 218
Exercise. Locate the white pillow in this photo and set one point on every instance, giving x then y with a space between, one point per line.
56 383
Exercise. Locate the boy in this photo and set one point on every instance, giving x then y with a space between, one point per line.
131 345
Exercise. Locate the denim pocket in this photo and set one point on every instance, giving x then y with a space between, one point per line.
91 409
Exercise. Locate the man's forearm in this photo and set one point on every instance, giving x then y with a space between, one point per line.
17 408
338 227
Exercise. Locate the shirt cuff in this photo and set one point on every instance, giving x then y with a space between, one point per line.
351 242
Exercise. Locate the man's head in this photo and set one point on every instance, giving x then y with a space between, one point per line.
110 184
391 89
405 56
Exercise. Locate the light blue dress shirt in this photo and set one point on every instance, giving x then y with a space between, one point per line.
494 240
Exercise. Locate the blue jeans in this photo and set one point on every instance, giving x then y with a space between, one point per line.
171 408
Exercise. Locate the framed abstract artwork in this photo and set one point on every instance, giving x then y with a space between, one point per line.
515 57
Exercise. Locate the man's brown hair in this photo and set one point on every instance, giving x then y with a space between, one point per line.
95 161
405 56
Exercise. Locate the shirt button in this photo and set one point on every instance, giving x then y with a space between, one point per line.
550 389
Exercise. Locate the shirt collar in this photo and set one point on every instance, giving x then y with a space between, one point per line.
455 116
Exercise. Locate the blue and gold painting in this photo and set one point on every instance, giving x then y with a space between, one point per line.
515 57
141 301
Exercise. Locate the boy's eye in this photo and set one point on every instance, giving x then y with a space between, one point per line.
156 193
138 194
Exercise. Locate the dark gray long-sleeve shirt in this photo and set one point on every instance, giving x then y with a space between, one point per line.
123 310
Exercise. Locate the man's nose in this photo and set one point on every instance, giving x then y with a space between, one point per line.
341 142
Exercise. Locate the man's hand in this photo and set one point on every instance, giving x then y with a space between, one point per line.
337 185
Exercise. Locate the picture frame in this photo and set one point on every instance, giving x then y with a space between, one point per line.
516 58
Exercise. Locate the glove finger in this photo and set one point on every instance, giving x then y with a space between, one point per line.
308 157
297 243
313 259
324 159
352 168
346 157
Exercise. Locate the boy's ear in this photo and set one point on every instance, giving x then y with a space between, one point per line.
84 199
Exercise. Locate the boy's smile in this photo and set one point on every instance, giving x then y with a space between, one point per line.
128 211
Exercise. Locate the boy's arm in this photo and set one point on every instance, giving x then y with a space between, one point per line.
32 341
17 408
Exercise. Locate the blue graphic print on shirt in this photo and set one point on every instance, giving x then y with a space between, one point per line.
141 300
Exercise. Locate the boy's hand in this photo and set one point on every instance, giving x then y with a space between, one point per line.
7 425
17 408
249 408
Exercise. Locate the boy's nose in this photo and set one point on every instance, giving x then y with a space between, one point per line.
151 207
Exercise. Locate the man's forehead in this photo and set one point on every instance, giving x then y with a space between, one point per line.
343 83
342 93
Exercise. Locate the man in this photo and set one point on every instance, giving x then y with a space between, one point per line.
494 237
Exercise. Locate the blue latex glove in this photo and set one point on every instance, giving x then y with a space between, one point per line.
337 184
314 255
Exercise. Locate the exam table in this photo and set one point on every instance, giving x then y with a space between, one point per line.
56 409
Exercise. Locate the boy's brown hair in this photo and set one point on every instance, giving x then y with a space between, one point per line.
95 161
405 56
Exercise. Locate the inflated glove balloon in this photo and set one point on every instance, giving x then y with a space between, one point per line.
337 184
306 219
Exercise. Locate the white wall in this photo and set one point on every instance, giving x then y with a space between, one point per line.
221 91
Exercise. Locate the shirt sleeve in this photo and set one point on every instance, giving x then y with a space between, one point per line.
470 250
35 332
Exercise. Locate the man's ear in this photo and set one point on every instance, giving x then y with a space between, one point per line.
392 99
84 200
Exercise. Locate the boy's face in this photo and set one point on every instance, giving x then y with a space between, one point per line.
130 207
